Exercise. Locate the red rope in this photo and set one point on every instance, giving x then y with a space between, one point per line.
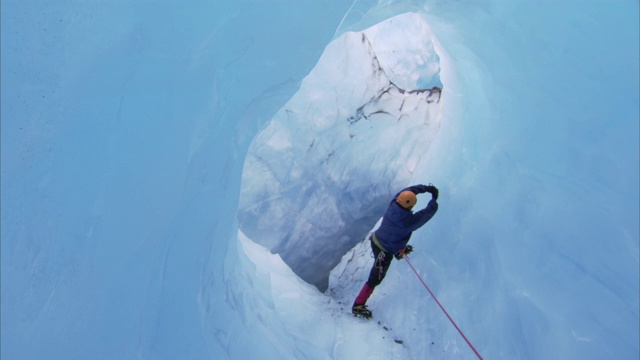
441 307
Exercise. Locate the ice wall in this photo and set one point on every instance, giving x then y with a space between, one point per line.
124 128
546 176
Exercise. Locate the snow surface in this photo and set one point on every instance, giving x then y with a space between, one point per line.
125 130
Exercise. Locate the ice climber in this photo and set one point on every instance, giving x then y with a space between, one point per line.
391 238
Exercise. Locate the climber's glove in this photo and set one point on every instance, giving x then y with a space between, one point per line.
434 191
406 251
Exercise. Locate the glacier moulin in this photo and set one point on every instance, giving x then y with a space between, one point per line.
311 202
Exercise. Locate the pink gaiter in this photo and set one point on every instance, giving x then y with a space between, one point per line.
364 294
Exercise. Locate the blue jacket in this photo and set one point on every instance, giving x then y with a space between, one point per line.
398 223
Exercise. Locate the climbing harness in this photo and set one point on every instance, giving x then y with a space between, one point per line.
406 257
381 255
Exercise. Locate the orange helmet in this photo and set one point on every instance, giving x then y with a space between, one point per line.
407 199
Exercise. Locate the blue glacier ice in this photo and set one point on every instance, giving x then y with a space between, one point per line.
184 180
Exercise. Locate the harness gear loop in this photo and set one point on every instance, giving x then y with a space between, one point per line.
380 264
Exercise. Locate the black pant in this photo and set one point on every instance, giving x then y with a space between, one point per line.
380 266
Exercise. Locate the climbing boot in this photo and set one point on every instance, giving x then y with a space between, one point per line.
361 310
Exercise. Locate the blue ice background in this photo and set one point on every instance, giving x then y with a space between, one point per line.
124 128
